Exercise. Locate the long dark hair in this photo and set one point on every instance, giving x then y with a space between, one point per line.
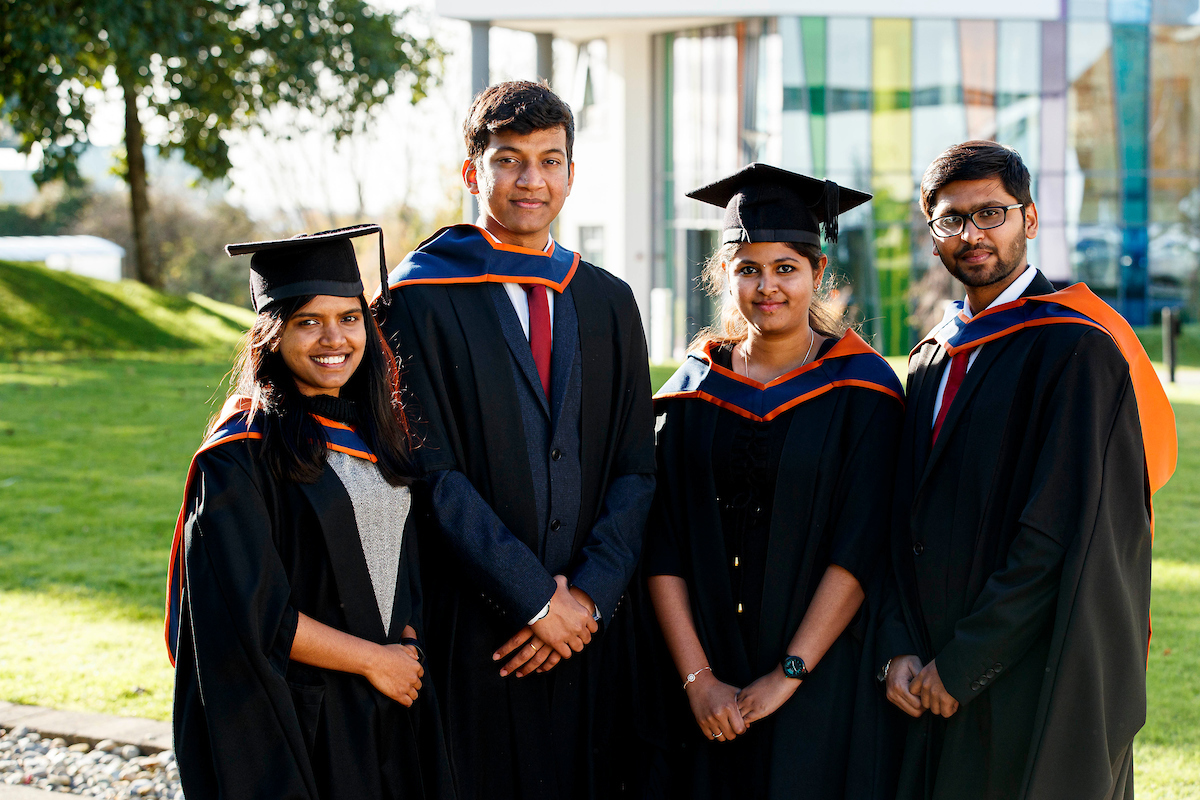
294 444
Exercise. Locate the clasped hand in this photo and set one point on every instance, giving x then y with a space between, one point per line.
722 709
715 707
913 688
565 630
395 671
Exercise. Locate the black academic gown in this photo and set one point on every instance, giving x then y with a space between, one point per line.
507 735
832 500
248 722
1021 561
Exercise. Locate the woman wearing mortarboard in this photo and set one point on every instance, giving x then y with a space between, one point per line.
293 600
768 534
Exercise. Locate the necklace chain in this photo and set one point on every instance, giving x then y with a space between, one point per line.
812 339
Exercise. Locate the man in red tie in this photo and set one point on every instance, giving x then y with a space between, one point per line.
1017 619
529 383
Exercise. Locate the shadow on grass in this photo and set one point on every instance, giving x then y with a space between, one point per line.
69 314
45 310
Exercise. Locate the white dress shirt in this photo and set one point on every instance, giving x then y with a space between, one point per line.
516 292
1013 292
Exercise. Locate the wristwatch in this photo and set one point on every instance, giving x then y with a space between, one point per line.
793 667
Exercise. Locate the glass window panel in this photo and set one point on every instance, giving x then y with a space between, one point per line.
1092 187
1092 164
797 150
891 179
705 142
1174 248
938 115
848 160
848 71
813 33
763 95
1018 85
706 129
939 119
977 39
1053 255
1087 9
1136 11
1176 12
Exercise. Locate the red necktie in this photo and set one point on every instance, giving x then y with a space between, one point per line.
958 371
539 331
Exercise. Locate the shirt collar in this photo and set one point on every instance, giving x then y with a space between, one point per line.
1013 292
492 237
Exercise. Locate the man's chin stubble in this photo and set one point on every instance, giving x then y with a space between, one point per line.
989 277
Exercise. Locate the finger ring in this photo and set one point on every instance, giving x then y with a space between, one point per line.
534 646
718 735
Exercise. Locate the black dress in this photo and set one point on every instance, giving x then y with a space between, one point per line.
253 552
751 512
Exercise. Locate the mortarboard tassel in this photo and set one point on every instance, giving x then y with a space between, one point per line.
830 225
385 292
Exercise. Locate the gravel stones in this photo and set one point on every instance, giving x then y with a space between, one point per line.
109 770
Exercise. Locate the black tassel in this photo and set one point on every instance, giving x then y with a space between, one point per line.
831 211
385 293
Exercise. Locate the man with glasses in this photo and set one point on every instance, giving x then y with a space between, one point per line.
1017 618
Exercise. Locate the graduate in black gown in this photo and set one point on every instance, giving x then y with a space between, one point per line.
768 531
293 608
530 393
1018 617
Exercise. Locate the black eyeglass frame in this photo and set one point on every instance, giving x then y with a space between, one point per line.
971 216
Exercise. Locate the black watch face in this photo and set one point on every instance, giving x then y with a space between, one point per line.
793 667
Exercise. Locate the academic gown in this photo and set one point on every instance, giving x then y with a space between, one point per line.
569 732
835 441
1021 561
248 721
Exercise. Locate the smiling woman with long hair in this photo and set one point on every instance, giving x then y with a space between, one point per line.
768 531
293 612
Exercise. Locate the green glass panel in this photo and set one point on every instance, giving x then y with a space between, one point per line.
891 180
812 37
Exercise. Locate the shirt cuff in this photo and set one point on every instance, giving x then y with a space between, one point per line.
541 614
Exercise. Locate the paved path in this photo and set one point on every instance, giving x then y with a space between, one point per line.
150 735
22 793
1184 376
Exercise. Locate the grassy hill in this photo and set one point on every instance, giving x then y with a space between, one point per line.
43 311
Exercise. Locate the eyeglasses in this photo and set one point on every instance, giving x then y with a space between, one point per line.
984 219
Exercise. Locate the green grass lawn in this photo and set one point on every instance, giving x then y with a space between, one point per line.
92 460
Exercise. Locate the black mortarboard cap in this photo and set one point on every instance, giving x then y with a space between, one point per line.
767 204
309 263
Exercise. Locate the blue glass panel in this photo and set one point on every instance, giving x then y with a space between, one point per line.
1131 59
1130 11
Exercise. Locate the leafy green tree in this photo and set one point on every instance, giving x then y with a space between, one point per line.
203 68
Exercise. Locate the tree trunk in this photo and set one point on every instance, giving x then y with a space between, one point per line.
139 197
